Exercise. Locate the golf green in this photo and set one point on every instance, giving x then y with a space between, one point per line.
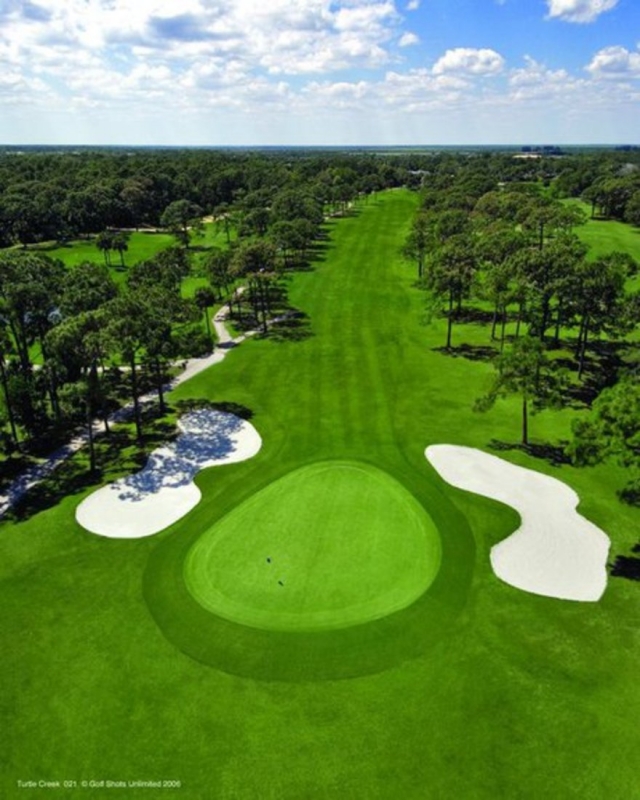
329 545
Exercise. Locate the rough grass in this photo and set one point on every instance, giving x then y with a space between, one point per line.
475 691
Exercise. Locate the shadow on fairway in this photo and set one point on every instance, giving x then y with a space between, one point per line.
553 454
294 327
469 351
314 656
627 566
471 314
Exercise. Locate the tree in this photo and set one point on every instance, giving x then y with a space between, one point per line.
495 247
598 298
228 217
204 298
541 218
135 196
6 347
217 268
167 268
260 291
305 231
546 272
255 222
449 276
420 240
612 430
285 237
29 296
120 242
104 243
632 209
125 331
256 260
160 311
180 217
85 288
292 204
81 343
524 370
253 256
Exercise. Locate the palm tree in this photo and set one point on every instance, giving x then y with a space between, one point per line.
104 243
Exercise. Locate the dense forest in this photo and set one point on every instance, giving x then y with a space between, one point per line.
496 239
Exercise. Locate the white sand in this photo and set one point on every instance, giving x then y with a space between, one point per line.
163 491
555 552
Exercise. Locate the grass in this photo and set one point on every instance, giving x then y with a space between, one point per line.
477 690
604 236
328 546
142 246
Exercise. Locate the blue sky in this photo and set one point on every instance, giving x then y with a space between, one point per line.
268 72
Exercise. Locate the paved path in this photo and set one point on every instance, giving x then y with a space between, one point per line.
32 476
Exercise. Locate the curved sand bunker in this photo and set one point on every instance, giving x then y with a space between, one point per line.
163 491
555 552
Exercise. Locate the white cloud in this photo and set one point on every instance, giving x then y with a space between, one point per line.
250 70
408 39
614 62
281 37
470 60
579 10
534 73
537 86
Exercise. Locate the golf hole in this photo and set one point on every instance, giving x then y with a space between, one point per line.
331 545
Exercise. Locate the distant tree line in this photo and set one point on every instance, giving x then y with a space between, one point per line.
48 196
59 196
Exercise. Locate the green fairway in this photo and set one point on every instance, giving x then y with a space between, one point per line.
330 545
474 690
604 236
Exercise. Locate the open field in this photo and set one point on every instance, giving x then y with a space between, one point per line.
603 235
476 690
141 247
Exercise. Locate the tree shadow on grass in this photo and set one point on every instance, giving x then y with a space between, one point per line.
68 479
183 406
469 351
627 566
603 363
292 326
552 454
471 314
13 467
577 394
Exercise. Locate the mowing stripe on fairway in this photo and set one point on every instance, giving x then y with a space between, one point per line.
338 393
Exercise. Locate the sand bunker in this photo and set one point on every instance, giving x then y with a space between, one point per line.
555 552
163 491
